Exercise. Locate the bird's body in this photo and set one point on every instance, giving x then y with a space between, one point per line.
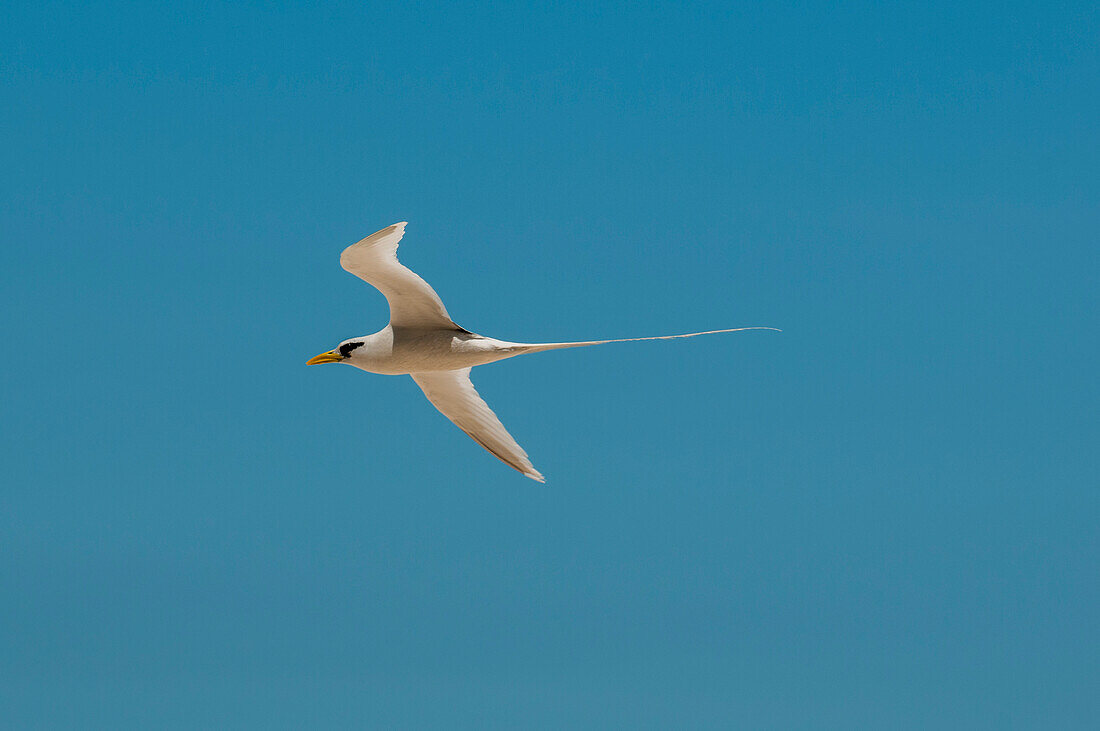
422 341
404 350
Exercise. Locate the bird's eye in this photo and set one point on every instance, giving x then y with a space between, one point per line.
346 348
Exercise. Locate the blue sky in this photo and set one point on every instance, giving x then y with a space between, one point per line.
885 516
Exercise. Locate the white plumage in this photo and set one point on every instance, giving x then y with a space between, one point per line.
421 340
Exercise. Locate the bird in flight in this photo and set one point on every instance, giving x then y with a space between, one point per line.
422 341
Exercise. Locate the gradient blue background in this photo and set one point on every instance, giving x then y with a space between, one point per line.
884 517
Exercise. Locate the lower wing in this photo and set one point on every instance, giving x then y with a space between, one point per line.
454 395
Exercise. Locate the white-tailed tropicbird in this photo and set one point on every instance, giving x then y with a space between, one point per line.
423 342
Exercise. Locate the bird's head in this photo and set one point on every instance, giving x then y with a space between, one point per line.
342 352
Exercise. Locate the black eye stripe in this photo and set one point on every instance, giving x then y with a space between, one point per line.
346 348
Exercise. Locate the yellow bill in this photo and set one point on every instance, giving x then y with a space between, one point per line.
329 356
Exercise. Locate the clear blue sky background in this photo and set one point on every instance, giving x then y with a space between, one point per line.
885 516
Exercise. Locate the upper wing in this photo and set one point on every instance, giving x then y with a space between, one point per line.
412 302
453 394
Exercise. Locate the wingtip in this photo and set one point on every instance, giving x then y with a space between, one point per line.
536 476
